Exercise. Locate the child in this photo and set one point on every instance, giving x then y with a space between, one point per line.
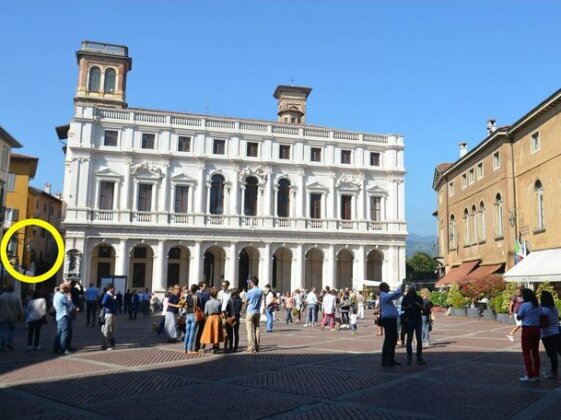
354 318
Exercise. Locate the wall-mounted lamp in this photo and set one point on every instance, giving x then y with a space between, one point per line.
512 218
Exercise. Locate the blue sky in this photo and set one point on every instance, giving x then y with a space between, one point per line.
433 71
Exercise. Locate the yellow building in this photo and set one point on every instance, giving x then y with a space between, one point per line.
507 188
22 170
33 248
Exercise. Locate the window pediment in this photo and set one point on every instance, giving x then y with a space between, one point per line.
108 173
377 190
260 172
183 178
317 186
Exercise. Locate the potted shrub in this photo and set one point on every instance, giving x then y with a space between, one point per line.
502 310
438 299
456 300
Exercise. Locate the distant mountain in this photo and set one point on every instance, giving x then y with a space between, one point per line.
417 243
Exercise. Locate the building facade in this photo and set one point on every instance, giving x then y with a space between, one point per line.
500 193
33 248
166 198
7 143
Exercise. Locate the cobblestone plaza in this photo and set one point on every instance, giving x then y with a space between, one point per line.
472 371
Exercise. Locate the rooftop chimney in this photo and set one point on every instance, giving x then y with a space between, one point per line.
463 149
491 126
47 188
292 103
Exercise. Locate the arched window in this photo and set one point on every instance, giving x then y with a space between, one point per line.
250 200
283 198
466 228
482 221
95 79
216 194
538 188
474 225
499 227
109 83
452 232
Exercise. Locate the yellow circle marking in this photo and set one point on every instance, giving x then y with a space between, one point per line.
4 245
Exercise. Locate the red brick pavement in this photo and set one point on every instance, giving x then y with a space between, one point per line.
301 373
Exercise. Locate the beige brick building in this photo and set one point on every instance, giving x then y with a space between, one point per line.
507 187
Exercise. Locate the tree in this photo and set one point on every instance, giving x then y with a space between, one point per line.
421 266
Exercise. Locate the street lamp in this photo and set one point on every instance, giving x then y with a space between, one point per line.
512 218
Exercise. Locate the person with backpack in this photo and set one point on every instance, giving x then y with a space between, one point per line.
271 305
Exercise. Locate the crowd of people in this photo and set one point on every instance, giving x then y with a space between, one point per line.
202 317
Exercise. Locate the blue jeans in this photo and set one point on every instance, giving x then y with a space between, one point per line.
7 332
312 314
190 332
269 315
62 334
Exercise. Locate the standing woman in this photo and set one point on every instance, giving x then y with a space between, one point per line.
35 316
550 333
213 332
289 305
529 313
170 325
234 308
427 316
190 320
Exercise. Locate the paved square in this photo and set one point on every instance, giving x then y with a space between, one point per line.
301 373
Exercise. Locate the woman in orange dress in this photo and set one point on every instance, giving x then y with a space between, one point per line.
213 332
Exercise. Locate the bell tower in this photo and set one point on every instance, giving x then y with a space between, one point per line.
292 103
102 74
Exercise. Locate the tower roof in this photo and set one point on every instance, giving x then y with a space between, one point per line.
291 89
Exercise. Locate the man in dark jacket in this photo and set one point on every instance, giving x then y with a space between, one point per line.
413 306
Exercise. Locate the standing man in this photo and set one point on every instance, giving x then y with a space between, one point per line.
360 304
329 308
271 306
388 321
253 300
127 301
513 308
11 311
413 307
110 309
92 296
120 301
224 295
63 308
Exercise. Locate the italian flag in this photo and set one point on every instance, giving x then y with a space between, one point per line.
519 251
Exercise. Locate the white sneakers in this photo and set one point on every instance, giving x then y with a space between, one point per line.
526 378
550 375
510 337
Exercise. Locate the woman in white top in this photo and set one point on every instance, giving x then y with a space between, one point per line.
35 316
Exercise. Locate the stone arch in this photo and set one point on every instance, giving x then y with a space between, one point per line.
314 269
178 264
214 264
141 266
102 263
374 264
248 265
344 273
282 268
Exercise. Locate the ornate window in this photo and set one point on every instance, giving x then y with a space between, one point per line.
283 198
452 233
481 223
499 226
216 194
181 199
94 82
106 194
109 82
346 207
538 188
250 199
467 240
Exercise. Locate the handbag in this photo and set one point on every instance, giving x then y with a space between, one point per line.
199 314
231 321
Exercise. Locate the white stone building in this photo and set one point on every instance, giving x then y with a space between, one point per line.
168 197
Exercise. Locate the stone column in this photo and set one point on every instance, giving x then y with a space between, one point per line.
330 268
298 268
265 266
232 265
234 203
159 268
122 260
201 186
195 264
